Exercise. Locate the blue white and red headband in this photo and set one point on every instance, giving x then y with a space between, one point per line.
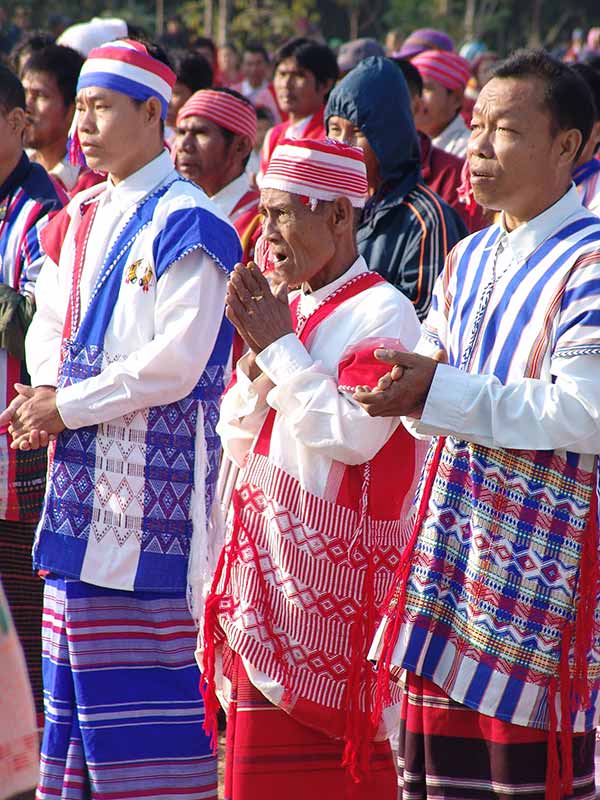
124 66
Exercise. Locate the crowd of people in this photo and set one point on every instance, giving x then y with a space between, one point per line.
299 419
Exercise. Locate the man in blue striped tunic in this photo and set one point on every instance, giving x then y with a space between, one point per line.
494 615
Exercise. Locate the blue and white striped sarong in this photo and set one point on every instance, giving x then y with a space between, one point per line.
123 711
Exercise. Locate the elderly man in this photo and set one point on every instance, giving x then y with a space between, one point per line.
493 616
445 77
127 353
320 508
405 229
215 133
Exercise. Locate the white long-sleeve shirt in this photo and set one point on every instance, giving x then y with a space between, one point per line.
178 335
560 410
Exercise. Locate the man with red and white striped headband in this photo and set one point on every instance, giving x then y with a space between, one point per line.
215 134
322 503
127 353
445 77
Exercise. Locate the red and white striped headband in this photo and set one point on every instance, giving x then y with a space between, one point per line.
223 109
319 169
449 69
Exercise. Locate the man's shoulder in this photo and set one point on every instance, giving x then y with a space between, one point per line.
40 188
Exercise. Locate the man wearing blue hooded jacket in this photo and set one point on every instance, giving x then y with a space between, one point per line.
405 230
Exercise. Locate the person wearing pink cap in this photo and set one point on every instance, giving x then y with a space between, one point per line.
445 77
323 499
214 137
127 353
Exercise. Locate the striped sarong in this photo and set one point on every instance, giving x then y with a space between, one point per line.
271 756
123 712
450 752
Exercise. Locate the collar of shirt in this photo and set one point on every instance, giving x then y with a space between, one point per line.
135 187
310 300
66 173
455 130
525 239
229 196
16 177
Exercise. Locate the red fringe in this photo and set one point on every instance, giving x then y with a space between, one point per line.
360 730
574 690
211 623
396 600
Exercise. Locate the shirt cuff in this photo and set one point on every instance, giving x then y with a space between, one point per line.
69 406
449 394
46 375
284 358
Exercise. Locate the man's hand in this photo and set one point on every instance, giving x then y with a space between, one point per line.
36 421
24 392
260 316
402 392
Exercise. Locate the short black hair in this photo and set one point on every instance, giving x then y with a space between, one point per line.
262 112
255 47
155 49
567 97
63 63
205 41
592 78
35 40
313 56
228 135
412 76
192 69
12 94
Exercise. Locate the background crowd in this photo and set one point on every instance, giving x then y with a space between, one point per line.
407 102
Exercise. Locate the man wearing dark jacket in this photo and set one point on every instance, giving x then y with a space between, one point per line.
406 230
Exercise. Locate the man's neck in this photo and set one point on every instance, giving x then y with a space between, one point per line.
8 166
52 155
444 127
344 259
513 221
135 165
228 178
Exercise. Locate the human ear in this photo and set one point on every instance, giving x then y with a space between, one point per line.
153 109
16 119
343 214
570 143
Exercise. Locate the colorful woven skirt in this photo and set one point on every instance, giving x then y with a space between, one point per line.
449 752
24 591
123 712
270 756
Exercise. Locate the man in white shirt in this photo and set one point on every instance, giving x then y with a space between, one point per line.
445 77
493 616
256 71
214 136
323 500
127 357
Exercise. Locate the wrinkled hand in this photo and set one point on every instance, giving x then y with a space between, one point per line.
259 316
35 421
402 392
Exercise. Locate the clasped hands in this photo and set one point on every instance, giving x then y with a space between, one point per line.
32 417
259 315
402 392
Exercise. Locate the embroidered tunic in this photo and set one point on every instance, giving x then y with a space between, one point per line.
133 289
495 576
308 555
